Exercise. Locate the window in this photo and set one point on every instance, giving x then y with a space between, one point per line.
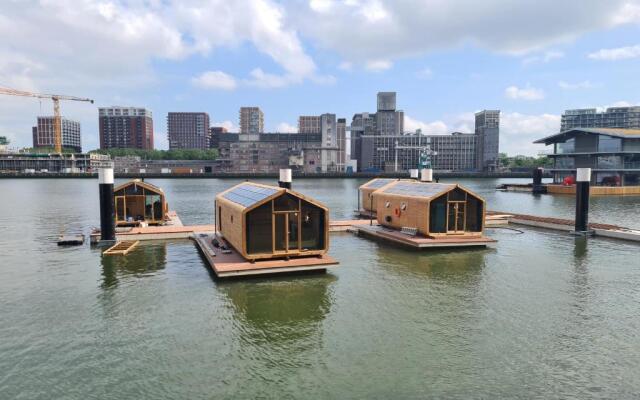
566 147
565 163
607 179
259 230
312 229
608 143
609 162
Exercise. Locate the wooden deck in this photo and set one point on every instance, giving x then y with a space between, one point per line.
234 265
421 242
121 248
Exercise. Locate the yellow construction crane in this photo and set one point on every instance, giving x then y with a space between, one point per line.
57 122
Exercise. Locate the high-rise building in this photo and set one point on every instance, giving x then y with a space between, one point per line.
309 124
326 126
125 127
43 133
488 144
215 132
612 117
251 120
341 134
188 130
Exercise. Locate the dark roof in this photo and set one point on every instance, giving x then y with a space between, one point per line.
378 183
615 132
248 194
418 189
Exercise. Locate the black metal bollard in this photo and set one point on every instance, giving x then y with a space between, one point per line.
107 209
583 183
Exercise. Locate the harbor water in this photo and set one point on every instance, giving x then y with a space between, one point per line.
541 315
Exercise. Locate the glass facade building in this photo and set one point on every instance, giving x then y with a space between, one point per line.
612 154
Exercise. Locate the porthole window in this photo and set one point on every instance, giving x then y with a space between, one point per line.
387 204
403 206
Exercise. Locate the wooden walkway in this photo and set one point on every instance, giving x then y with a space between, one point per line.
121 248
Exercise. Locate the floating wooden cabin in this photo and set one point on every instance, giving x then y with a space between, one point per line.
263 222
431 209
137 202
367 197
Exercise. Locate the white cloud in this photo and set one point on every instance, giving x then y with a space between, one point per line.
432 128
544 58
345 66
425 73
574 86
230 126
391 29
519 131
528 93
284 127
215 80
378 65
620 53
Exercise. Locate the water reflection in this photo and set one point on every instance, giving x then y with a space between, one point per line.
145 259
280 319
456 265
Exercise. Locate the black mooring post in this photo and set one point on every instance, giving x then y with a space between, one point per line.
107 212
285 178
583 183
371 209
537 186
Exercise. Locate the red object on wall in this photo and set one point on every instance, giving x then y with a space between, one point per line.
569 180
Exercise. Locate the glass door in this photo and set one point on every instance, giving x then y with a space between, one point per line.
280 234
120 209
456 217
286 231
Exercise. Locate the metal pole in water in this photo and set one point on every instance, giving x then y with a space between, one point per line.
583 183
107 209
285 178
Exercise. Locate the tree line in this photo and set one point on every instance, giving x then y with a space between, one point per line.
176 154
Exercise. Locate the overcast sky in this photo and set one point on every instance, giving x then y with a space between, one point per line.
445 58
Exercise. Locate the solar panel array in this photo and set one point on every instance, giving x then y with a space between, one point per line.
418 189
247 194
378 183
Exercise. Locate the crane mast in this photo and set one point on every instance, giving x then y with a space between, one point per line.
57 120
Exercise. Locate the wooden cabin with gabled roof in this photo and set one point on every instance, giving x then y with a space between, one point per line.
367 192
431 209
139 202
263 222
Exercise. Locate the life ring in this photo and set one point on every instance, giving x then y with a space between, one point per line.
397 212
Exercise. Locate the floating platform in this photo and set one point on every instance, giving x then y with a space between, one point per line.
229 263
70 240
421 242
121 248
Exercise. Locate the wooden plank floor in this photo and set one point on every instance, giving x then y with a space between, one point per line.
379 232
233 264
121 248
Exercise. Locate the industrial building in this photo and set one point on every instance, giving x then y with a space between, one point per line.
125 127
251 120
268 152
37 163
188 130
43 134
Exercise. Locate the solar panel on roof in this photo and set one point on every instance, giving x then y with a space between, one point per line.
247 194
418 189
378 183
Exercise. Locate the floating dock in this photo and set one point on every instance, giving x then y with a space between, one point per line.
420 242
229 263
121 248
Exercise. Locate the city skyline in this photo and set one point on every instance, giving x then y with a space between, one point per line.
532 72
